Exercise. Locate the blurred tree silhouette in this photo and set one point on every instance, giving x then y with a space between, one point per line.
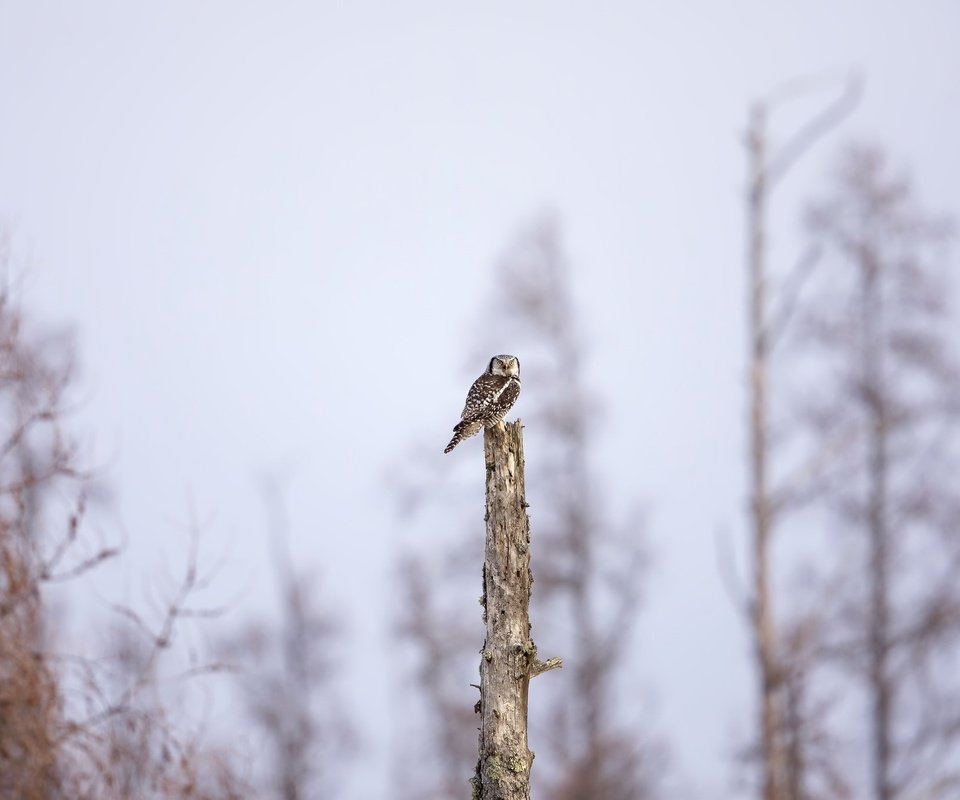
784 732
587 572
131 739
35 457
286 673
875 334
859 672
73 727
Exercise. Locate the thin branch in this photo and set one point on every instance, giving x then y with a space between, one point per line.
789 295
726 564
815 129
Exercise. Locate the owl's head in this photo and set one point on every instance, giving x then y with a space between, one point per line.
504 365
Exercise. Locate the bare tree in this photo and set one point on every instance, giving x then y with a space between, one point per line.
68 723
766 170
889 388
286 674
440 636
129 738
36 463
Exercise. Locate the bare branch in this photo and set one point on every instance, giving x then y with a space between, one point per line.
824 122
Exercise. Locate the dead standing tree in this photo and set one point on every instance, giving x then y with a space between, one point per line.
765 172
509 656
78 726
286 674
891 388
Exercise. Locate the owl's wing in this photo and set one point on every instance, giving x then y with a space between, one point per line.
484 390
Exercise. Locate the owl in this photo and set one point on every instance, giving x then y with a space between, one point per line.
489 399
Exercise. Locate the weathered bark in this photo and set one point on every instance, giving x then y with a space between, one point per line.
509 656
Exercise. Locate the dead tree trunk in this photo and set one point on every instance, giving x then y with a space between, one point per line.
766 169
509 656
764 632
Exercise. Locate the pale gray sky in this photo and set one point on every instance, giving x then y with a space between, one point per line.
264 219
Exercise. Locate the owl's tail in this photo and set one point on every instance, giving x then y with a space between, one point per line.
457 438
463 430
